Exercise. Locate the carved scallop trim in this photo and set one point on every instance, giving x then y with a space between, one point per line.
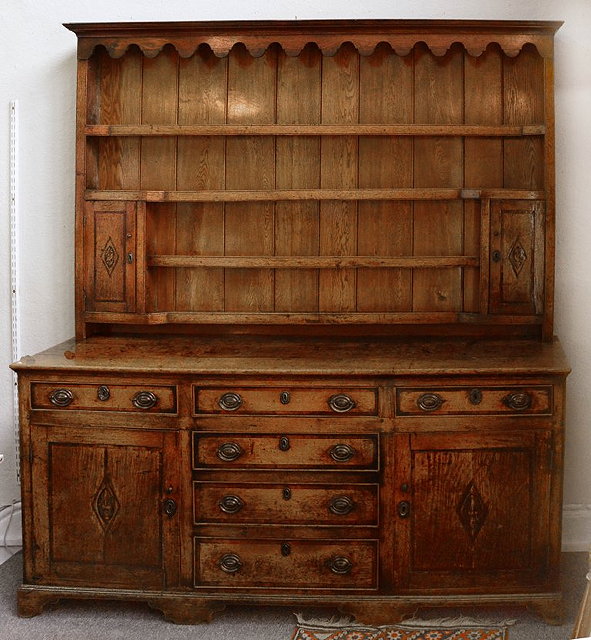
402 44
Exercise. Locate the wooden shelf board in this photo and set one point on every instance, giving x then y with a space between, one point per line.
312 262
314 130
273 318
272 195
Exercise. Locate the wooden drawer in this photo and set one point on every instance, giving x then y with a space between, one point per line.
104 397
296 451
286 400
292 564
256 503
474 400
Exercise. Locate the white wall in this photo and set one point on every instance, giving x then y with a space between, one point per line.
38 69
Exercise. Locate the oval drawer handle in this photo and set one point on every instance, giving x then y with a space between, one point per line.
103 393
341 403
61 397
230 563
230 401
429 401
231 504
285 397
284 443
340 565
342 452
341 505
229 451
144 400
519 400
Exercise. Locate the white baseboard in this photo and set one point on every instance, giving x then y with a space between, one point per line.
576 527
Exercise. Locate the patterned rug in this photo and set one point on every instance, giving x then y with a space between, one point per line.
444 629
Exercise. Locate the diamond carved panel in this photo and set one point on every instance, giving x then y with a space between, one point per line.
517 257
109 256
472 510
105 503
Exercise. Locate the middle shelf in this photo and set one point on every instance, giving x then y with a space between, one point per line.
271 195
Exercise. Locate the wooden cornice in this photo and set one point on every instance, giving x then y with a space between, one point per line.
329 35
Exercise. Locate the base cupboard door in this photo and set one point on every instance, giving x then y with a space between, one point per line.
104 507
476 512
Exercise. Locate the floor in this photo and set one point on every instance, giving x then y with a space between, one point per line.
73 620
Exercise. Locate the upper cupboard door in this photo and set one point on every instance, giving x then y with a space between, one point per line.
517 257
110 250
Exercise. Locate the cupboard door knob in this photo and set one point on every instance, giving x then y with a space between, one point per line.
519 401
341 403
342 452
144 400
404 509
340 565
230 401
496 256
169 507
230 563
429 401
103 393
61 397
229 451
475 396
341 505
231 504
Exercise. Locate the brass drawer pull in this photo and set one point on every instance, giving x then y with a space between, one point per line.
340 565
144 400
342 452
429 401
231 504
519 400
61 397
285 549
285 397
341 403
230 563
230 401
229 451
286 493
103 393
169 507
284 444
341 505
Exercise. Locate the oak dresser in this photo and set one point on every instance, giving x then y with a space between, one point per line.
314 360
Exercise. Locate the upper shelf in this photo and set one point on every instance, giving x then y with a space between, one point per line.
314 130
293 36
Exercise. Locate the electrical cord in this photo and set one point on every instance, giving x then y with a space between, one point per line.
10 516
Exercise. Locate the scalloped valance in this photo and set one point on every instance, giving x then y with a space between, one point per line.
293 36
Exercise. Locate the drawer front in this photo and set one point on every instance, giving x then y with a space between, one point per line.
345 564
104 397
286 401
474 400
296 451
305 504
